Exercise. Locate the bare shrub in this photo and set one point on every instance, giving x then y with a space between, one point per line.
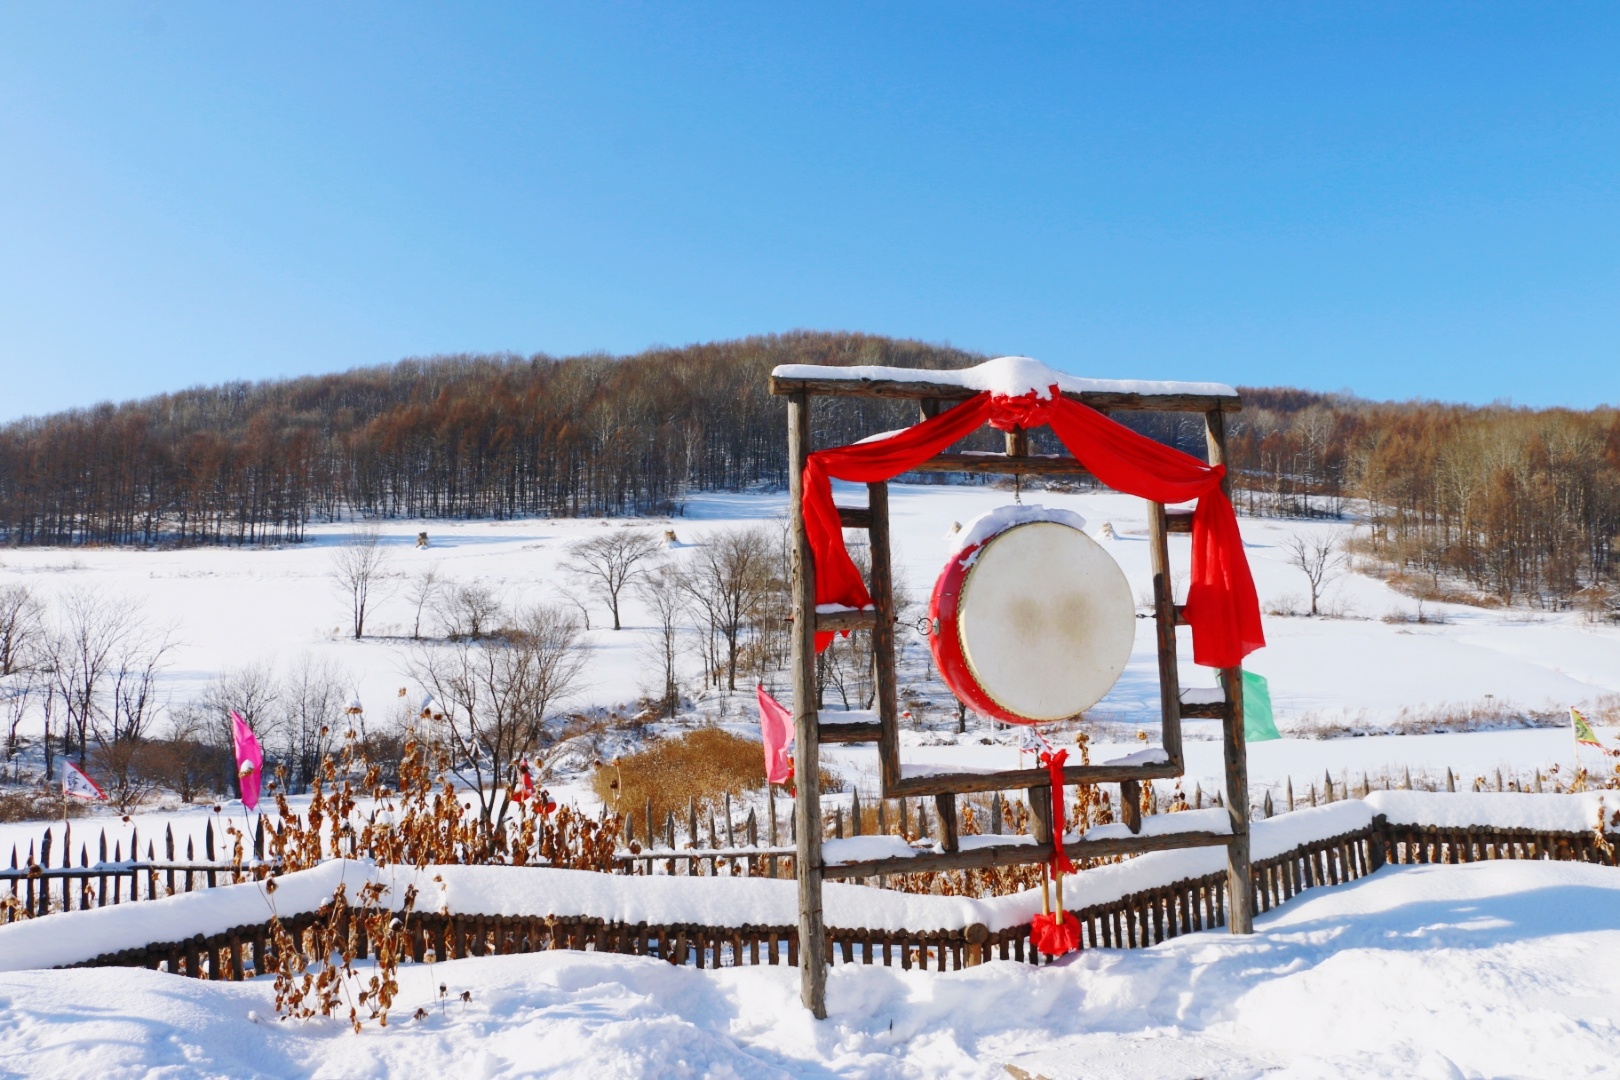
1284 605
469 610
194 760
492 696
38 804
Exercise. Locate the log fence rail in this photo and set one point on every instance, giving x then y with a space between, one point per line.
1136 920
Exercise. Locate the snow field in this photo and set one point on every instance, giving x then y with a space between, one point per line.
235 607
1481 970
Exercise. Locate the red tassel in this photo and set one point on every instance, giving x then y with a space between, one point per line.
1055 934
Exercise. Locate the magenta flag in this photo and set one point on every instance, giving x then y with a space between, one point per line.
776 728
249 760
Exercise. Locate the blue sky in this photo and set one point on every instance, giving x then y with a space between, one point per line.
1416 200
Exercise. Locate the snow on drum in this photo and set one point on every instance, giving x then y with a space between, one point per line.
1031 620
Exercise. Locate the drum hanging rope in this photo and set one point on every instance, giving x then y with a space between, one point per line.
1222 606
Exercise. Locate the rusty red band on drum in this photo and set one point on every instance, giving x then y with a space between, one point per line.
1034 624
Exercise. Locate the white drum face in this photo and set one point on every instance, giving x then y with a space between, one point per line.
1047 622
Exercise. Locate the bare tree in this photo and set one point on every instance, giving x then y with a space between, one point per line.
104 661
251 690
1320 556
197 757
610 560
661 589
470 610
357 567
90 632
310 702
17 691
20 628
727 580
494 695
423 591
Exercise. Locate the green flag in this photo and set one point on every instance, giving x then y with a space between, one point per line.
1584 735
1258 726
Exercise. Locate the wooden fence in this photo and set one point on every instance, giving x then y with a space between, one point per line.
1134 921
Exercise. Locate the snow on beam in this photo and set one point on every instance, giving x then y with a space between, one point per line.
1010 375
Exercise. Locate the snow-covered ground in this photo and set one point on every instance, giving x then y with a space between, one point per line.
235 607
1480 970
1487 969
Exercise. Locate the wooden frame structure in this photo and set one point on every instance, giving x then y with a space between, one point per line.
801 388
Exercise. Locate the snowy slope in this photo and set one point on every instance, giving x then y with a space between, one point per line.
235 607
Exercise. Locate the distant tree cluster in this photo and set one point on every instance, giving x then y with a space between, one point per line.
1521 504
449 437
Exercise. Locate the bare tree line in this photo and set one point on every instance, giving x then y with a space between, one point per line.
1521 505
456 437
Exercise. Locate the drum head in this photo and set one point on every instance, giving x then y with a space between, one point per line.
1046 620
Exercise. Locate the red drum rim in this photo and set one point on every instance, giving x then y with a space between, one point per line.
946 628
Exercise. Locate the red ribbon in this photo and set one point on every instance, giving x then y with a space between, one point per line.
1054 770
1222 605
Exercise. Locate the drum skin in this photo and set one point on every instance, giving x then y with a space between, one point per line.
1035 623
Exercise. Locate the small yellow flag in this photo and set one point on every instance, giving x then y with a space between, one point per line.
1584 735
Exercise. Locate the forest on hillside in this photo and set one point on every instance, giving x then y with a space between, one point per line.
1520 504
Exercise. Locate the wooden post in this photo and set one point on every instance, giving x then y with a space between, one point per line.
1240 919
1017 442
1130 804
1164 611
882 590
806 722
1040 814
945 805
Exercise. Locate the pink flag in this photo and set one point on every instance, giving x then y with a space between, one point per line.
776 727
249 760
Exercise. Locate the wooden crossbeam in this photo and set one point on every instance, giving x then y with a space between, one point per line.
961 783
828 621
855 517
850 733
932 391
978 858
1035 465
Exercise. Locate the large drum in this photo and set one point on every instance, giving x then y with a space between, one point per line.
1031 619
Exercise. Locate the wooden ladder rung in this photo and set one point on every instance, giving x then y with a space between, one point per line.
1204 710
855 517
848 733
827 621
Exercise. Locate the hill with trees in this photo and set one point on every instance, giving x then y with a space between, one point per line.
1517 503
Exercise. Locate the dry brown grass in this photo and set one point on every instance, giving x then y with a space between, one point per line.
1485 714
37 804
705 764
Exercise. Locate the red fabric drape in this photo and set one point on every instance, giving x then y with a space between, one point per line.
1222 606
1054 762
